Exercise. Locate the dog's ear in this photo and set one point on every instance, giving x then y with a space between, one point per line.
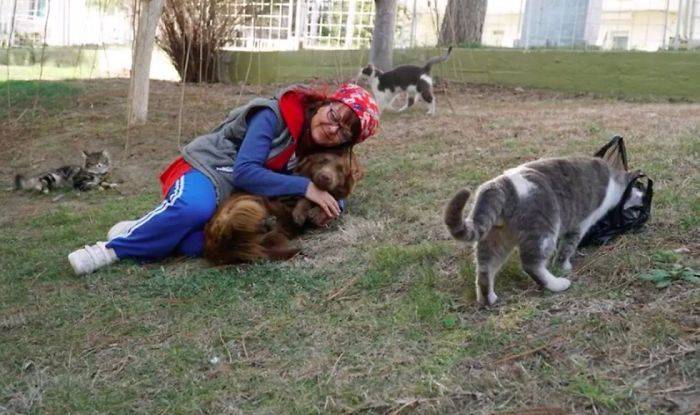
357 172
308 164
303 164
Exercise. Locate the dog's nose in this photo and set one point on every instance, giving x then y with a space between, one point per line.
325 180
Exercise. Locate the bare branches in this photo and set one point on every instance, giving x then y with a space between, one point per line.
200 26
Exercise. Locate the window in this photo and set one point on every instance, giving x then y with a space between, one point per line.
37 7
620 42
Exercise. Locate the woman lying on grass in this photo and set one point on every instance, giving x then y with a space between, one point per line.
254 150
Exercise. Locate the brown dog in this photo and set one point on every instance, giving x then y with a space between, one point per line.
330 172
248 228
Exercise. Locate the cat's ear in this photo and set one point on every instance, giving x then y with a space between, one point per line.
106 155
85 155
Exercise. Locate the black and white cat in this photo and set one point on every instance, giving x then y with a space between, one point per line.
412 79
537 206
91 174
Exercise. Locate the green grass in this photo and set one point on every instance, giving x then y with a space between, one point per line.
48 72
18 96
630 75
381 312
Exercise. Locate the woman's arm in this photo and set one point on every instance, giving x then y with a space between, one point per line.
249 171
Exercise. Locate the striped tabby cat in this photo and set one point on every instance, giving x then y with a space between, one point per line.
90 175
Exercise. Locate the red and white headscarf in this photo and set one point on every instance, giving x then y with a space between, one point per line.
363 105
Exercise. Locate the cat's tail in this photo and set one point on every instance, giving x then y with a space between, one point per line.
485 213
432 61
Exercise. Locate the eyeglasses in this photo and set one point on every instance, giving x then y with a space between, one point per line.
344 132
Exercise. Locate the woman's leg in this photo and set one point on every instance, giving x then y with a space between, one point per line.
192 244
187 207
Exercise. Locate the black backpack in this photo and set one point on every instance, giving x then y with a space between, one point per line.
620 220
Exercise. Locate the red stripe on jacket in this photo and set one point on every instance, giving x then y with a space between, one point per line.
174 171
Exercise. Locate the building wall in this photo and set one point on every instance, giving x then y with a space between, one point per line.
70 22
609 24
644 30
502 30
555 23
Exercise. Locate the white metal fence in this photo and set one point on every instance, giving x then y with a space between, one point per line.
294 24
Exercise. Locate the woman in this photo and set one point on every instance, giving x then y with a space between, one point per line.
254 150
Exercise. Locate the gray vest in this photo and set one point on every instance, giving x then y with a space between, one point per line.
214 154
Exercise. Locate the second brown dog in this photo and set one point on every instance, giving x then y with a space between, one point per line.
249 228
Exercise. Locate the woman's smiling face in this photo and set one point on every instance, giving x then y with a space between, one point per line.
331 125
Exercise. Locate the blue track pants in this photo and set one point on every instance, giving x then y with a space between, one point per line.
176 226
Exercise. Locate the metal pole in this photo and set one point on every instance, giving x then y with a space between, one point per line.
520 24
12 29
686 22
527 26
692 22
663 34
677 38
414 24
350 25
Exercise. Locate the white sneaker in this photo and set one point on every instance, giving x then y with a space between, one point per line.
91 258
120 228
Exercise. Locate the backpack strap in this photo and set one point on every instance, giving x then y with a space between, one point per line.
609 152
644 209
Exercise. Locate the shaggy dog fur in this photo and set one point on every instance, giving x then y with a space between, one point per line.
249 228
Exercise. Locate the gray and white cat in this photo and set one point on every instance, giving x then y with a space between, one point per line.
412 79
91 174
536 206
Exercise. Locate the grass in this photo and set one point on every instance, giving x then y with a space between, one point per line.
48 72
379 315
18 97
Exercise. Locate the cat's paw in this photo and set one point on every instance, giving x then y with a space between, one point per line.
566 266
558 284
492 297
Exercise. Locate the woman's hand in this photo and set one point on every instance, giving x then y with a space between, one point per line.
324 200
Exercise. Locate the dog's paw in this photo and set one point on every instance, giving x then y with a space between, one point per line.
299 217
318 217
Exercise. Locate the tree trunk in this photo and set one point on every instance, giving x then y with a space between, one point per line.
382 49
141 63
463 22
